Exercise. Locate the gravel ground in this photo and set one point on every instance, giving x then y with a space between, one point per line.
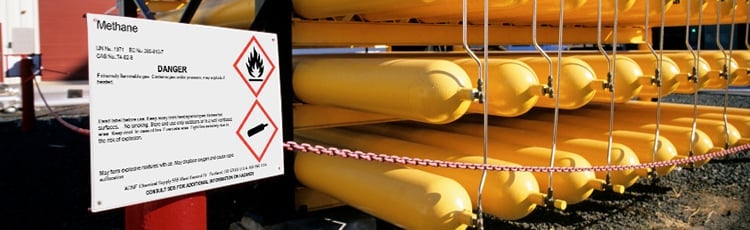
45 186
714 196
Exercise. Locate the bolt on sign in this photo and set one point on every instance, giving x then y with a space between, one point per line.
174 113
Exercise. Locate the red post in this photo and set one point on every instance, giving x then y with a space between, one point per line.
186 212
28 117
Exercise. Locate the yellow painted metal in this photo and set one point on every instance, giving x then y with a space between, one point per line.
685 63
678 134
742 123
308 116
165 5
641 143
713 128
675 107
577 85
389 9
432 91
627 71
507 195
670 110
224 13
453 11
669 75
327 33
743 73
716 61
570 187
593 150
513 88
408 198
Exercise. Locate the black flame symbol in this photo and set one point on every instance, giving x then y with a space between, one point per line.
254 64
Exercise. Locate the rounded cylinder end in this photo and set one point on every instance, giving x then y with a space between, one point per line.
642 172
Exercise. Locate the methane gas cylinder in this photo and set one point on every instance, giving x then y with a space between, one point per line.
718 75
513 88
627 74
685 62
577 86
507 195
593 150
408 198
641 143
432 91
669 73
572 187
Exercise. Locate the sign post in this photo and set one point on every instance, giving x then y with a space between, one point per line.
178 109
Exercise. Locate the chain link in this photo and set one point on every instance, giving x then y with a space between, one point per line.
369 156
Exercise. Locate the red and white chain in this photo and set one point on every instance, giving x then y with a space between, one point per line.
332 151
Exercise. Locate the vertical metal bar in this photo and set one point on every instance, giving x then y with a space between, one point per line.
557 89
144 9
189 12
657 80
28 117
693 76
539 49
610 84
725 68
485 137
727 62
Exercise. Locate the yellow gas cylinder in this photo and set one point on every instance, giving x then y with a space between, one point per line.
713 129
743 73
577 85
593 150
408 198
432 91
393 10
676 14
571 187
641 143
507 195
674 107
679 135
507 10
165 5
742 123
627 73
716 61
636 13
589 10
669 72
224 13
513 88
685 63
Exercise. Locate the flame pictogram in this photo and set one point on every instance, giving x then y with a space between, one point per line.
254 64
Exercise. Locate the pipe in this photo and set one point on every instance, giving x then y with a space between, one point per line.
408 198
432 91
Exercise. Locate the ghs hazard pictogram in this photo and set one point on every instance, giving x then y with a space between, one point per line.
257 130
254 66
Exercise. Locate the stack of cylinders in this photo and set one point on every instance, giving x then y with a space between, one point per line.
507 195
433 202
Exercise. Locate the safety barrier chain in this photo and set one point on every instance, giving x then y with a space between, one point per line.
346 153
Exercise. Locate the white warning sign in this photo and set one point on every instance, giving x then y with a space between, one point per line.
177 109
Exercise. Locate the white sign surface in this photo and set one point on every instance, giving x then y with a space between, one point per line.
177 109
